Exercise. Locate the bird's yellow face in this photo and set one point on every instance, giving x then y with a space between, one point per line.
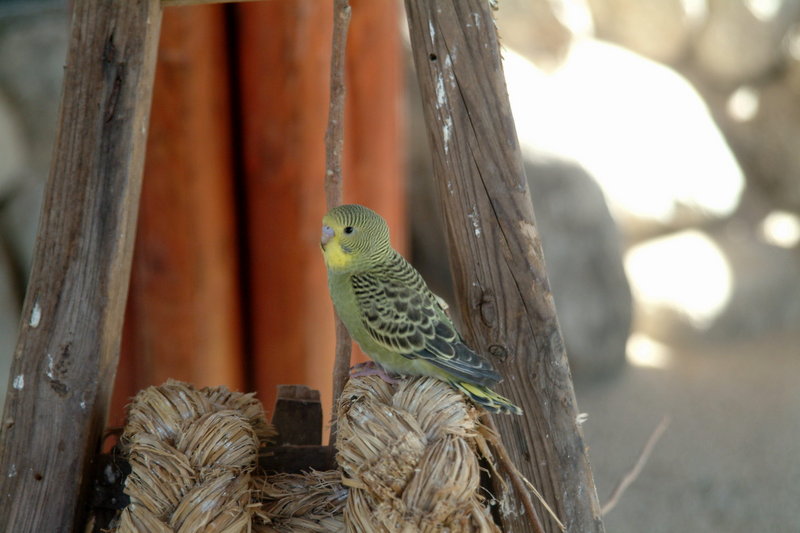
337 253
353 237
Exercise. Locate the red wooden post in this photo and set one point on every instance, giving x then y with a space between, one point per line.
183 317
284 79
284 53
374 168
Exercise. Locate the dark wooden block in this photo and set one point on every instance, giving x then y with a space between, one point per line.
298 415
294 459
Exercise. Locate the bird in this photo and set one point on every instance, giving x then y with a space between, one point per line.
391 313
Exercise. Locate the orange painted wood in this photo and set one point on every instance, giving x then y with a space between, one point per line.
284 49
184 310
374 168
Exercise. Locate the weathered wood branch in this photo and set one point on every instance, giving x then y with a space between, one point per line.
334 145
68 344
495 254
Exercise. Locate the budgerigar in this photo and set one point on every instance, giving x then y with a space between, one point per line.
389 310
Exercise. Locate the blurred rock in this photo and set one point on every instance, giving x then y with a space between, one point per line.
33 41
584 263
34 46
742 39
581 248
638 128
19 221
658 29
746 66
10 307
12 148
533 29
762 124
766 292
725 284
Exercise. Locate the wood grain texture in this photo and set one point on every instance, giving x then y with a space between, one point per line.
68 344
334 147
298 416
183 315
495 254
284 60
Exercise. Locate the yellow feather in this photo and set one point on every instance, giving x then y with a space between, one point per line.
335 258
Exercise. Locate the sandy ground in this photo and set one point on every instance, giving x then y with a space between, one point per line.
730 459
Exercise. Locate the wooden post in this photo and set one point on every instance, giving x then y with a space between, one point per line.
183 315
334 144
68 344
495 254
284 58
373 142
284 78
374 117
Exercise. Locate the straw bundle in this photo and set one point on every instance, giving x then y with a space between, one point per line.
409 457
292 503
191 454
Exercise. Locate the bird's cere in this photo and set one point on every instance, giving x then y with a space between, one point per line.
327 234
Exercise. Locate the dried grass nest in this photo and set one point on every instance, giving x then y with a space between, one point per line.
192 453
408 457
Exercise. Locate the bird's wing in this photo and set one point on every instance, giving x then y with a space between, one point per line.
409 320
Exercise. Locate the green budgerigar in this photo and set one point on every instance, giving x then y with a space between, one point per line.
389 310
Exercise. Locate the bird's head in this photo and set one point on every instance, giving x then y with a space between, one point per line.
354 238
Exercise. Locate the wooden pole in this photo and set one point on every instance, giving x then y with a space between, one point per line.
374 155
284 57
284 78
495 253
68 343
334 145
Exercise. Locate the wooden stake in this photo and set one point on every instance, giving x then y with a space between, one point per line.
183 319
68 344
495 253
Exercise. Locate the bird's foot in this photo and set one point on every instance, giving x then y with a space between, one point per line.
370 368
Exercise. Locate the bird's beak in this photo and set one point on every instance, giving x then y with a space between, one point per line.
327 235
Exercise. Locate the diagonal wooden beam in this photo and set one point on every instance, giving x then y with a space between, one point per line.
496 255
68 344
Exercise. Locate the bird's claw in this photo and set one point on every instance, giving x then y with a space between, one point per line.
370 368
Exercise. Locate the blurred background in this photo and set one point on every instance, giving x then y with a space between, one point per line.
662 146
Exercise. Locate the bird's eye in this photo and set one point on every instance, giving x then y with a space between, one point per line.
349 229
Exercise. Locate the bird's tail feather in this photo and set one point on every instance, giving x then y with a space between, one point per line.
487 398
